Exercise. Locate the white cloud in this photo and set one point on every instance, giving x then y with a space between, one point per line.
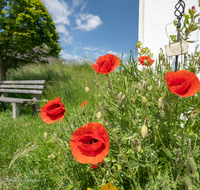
89 48
68 56
88 21
68 40
59 11
83 7
76 3
61 28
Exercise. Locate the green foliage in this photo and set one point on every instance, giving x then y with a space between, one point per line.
165 156
25 25
189 25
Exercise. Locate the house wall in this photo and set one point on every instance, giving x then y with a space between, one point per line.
156 24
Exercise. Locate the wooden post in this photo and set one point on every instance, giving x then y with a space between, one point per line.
15 110
35 106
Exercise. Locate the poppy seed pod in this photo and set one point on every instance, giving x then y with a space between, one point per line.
45 135
145 62
99 115
192 164
160 56
144 131
193 116
162 114
150 88
187 181
106 123
144 100
87 90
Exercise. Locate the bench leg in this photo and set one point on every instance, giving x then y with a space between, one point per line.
15 110
35 108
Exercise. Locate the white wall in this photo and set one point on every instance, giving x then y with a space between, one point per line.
155 16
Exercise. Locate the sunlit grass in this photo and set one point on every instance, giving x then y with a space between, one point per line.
66 81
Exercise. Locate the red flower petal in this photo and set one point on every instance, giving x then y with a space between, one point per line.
149 60
106 64
183 83
52 111
90 143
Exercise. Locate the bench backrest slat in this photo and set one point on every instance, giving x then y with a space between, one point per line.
23 82
22 91
23 86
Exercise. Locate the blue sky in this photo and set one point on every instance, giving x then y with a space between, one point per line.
95 27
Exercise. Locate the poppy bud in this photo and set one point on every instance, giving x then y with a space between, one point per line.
137 120
118 79
156 126
150 88
162 114
145 62
139 148
106 123
144 131
159 104
119 168
160 56
193 69
138 44
187 181
87 90
45 135
99 115
193 116
144 100
192 164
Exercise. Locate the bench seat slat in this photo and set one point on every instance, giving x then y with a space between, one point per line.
23 86
23 82
22 91
15 100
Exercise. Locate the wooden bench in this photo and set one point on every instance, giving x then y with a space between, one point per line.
34 87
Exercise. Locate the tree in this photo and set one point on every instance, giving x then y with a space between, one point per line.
25 25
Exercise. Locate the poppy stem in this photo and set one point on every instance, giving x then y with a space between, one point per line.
109 82
69 125
100 88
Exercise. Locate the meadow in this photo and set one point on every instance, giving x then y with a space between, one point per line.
149 121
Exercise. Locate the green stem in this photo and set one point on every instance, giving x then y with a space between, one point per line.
69 125
109 82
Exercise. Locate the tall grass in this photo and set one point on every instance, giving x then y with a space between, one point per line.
25 133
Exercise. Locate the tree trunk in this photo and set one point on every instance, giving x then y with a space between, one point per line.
2 69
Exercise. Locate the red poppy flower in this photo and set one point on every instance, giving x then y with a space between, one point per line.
52 111
146 60
95 166
106 64
90 143
84 102
183 83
